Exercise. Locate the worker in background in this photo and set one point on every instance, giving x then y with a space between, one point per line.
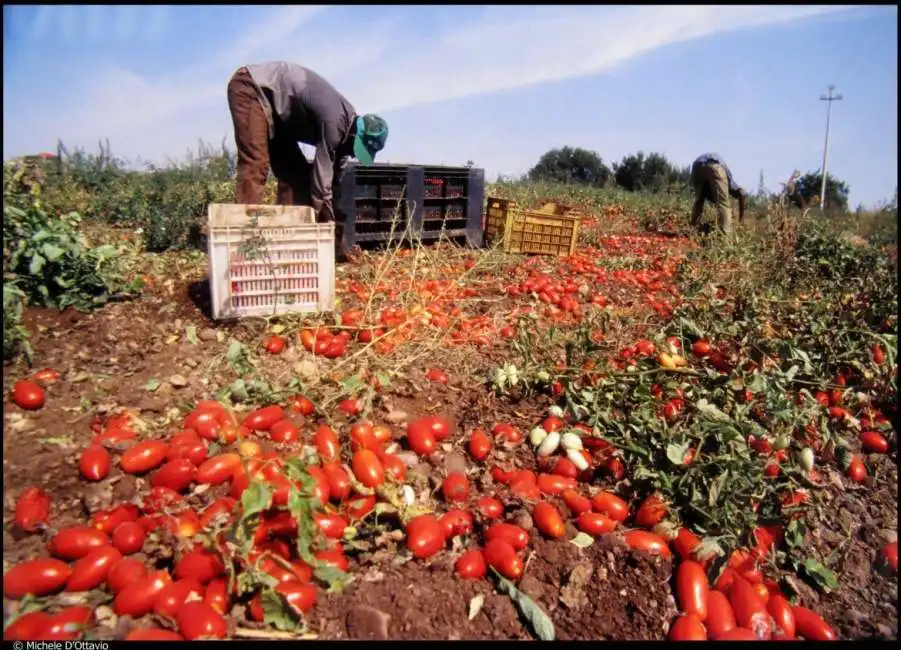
712 181
274 106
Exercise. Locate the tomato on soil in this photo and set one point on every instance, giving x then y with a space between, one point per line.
692 589
595 523
198 620
720 617
137 599
811 626
687 627
479 445
642 540
128 537
77 541
455 488
514 535
144 457
28 395
275 344
37 577
95 463
501 556
471 565
32 509
368 468
425 536
611 505
548 520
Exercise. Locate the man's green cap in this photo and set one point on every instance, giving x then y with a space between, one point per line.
372 132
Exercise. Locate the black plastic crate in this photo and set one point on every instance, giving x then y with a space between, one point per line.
446 200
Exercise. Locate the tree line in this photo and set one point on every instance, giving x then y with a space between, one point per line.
654 173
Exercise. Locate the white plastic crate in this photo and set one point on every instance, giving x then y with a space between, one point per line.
267 260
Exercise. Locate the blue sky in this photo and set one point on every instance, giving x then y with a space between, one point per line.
497 85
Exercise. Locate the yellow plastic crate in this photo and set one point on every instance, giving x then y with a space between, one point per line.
552 229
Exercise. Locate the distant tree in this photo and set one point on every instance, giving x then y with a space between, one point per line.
571 165
651 173
807 191
470 164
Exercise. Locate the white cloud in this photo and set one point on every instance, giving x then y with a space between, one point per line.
501 48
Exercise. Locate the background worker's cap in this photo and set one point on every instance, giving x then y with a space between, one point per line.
372 131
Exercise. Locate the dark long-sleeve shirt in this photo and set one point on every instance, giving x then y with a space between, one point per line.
310 110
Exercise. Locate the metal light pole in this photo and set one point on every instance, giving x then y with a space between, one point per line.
829 99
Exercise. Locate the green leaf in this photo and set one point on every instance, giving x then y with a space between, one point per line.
191 334
235 352
52 252
541 624
151 385
256 498
794 533
278 613
582 540
675 453
823 577
36 264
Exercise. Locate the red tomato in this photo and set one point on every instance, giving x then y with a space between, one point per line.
420 438
177 475
750 610
456 522
511 533
577 503
173 596
455 487
552 423
641 540
137 599
95 463
326 441
501 556
262 419
394 466
738 634
554 483
275 344
692 589
199 564
479 445
368 468
28 627
548 520
218 469
489 507
91 571
610 505
651 512
69 623
595 523
360 506
687 627
128 538
889 554
334 557
338 481
878 354
302 405
299 596
873 442
125 572
857 471
77 541
330 525
811 626
198 620
566 468
471 565
37 577
144 457
284 431
28 395
216 596
436 375
685 543
350 406
32 509
720 617
425 536
783 616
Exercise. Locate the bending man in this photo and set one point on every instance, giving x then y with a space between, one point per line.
276 105
712 181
